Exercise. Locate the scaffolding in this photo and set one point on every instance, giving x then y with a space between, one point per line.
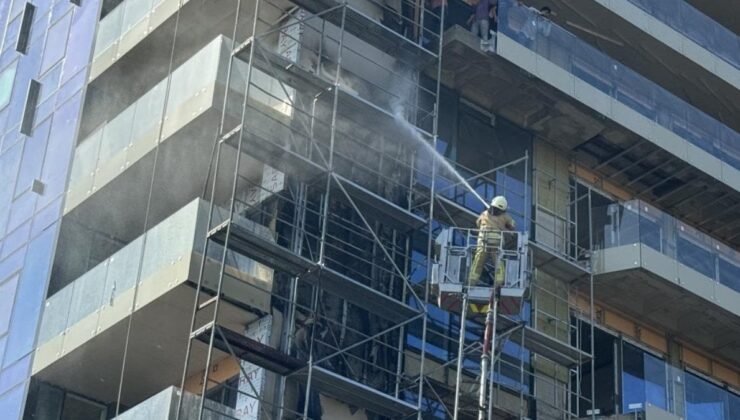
323 173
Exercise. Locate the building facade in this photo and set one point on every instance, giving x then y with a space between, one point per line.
237 209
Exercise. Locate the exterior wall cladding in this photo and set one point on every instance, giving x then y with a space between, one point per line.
234 209
33 166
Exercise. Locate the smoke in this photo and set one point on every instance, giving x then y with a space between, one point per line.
407 89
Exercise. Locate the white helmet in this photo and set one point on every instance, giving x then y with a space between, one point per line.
499 202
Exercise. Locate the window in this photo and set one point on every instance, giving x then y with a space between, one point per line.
605 369
704 400
7 77
29 112
24 35
52 403
56 43
78 408
643 380
225 394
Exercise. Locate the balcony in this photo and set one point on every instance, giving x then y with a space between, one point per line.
667 41
183 118
623 87
696 26
144 30
85 323
658 269
658 146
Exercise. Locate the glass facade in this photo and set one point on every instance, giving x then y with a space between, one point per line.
644 380
630 378
708 401
33 167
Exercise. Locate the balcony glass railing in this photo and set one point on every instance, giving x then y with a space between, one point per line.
141 120
121 20
526 27
636 222
696 26
172 240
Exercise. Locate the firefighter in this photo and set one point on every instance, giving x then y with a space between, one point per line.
490 224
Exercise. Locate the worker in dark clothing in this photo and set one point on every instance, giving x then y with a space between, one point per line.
478 21
302 343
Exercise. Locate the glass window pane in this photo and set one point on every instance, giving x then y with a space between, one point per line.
7 297
123 267
651 233
56 42
633 379
704 401
734 406
655 381
695 256
33 157
30 297
116 135
169 241
86 158
15 374
109 30
7 77
149 111
134 11
12 402
79 408
56 313
49 402
87 294
85 16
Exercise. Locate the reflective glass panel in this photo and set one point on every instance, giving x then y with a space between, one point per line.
7 296
643 380
695 256
704 401
116 135
56 42
30 297
7 77
56 312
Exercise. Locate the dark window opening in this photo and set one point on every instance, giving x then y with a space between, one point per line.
29 112
225 393
24 35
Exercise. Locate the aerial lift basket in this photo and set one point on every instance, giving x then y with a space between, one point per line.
454 252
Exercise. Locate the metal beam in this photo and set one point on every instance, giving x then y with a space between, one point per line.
617 156
718 215
650 188
651 171
633 164
727 227
687 198
709 204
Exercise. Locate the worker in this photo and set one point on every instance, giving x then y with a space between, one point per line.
490 223
303 337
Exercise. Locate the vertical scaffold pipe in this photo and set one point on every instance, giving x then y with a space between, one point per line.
460 353
489 340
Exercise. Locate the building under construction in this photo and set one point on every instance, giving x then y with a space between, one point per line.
267 209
